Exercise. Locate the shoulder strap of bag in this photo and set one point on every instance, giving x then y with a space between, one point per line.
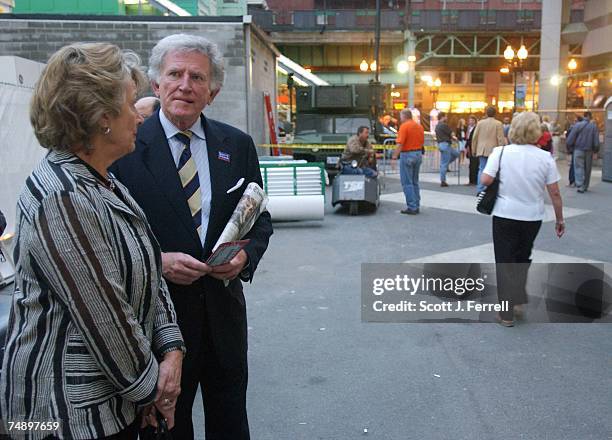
499 164
578 134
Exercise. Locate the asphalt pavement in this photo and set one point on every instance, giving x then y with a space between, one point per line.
318 372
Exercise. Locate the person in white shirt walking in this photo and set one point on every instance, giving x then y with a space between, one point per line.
526 172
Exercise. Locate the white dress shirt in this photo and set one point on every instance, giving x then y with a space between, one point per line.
199 153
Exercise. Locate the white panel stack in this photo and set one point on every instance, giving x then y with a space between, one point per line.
295 191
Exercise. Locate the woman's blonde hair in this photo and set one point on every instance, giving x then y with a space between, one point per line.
525 129
81 83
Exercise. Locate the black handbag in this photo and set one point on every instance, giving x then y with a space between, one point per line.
161 433
487 197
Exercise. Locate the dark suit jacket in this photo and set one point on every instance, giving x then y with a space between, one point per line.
152 178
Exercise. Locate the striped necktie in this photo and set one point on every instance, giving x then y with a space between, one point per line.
189 179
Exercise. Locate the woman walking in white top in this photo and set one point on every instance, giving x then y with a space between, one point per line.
526 172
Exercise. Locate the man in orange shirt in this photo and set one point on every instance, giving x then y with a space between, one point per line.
410 140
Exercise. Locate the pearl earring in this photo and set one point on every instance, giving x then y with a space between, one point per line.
107 130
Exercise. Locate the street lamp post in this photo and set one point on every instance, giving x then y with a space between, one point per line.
376 67
516 63
557 79
572 65
434 89
364 66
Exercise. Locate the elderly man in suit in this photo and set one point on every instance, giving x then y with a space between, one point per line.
180 173
488 134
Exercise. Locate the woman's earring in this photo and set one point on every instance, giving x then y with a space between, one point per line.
107 130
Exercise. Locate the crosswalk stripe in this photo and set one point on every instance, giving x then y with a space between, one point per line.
484 254
467 204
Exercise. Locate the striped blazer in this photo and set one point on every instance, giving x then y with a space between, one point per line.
91 313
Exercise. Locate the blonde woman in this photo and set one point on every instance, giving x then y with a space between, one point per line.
92 334
526 173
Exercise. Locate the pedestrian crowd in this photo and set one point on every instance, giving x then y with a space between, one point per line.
475 141
517 152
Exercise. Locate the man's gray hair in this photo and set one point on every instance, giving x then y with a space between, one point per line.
187 43
406 113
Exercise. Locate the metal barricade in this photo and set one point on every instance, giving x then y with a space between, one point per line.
430 164
385 164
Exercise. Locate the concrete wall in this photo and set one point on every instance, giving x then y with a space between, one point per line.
263 81
37 38
19 148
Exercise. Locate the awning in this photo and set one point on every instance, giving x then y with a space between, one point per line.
169 7
301 76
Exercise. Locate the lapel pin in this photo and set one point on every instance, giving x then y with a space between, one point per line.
225 157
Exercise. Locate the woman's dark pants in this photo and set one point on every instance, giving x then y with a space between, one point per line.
513 241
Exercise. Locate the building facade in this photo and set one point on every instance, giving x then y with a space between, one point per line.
461 43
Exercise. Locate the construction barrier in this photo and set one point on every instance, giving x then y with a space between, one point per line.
295 189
